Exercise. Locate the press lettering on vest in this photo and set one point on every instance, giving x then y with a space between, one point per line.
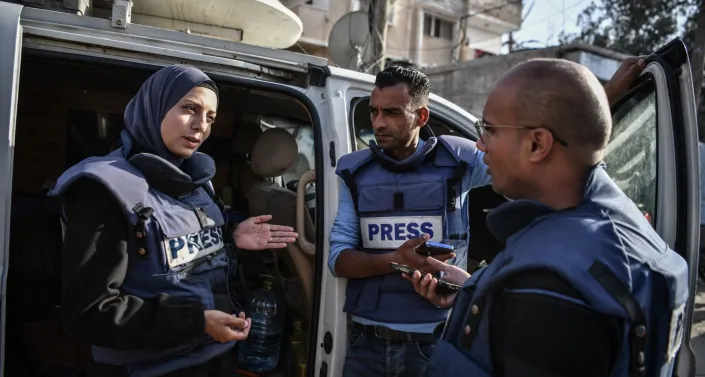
184 249
675 333
392 232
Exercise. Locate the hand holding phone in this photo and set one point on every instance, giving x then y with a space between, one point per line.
426 285
408 255
430 248
442 287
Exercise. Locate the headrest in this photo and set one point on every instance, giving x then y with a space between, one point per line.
244 137
273 153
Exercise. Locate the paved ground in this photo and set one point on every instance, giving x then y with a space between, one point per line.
697 336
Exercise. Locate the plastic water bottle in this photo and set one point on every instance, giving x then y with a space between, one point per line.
260 352
298 348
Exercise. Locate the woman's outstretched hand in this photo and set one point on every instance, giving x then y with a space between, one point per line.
256 234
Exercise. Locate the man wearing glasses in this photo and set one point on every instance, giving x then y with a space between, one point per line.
584 287
407 188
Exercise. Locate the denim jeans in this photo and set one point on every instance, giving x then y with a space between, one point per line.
373 357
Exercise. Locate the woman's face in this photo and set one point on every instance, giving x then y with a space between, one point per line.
188 124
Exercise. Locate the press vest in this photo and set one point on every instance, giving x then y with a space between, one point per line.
607 251
396 202
178 250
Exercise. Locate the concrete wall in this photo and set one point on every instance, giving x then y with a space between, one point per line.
467 84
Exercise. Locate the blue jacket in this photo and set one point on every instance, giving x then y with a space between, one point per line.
396 201
606 250
180 252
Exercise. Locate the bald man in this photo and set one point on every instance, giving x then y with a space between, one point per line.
584 286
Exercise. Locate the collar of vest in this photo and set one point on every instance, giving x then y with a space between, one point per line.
174 181
513 216
427 151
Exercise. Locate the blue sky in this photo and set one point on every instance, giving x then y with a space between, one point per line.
546 20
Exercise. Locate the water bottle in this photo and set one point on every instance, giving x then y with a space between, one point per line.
260 352
298 348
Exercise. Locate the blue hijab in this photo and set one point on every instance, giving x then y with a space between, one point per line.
141 139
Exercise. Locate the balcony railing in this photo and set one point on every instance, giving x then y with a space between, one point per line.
506 12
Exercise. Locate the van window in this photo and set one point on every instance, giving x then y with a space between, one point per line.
631 153
362 127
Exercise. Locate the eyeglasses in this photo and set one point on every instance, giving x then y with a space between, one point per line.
481 126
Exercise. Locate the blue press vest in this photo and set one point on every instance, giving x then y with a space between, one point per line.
607 251
396 202
185 256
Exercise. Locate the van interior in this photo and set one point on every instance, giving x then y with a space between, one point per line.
70 110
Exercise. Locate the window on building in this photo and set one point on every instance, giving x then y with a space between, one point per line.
438 27
390 14
363 5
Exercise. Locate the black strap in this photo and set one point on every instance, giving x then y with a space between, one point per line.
451 183
386 333
638 331
193 264
211 192
347 177
143 214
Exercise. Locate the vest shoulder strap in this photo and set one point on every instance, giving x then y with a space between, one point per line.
348 165
459 150
354 161
124 181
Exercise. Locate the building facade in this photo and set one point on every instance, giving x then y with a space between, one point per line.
467 84
422 32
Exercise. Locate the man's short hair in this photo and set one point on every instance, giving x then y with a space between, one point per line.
567 98
416 81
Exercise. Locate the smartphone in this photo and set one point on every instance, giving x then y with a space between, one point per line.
443 287
430 248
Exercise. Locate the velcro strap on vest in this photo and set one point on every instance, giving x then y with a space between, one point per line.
352 186
638 331
451 183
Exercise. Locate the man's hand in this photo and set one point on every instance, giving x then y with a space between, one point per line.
426 285
625 76
224 327
406 255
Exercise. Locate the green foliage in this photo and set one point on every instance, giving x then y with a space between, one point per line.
638 27
635 27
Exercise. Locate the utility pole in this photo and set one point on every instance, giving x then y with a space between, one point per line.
511 42
378 33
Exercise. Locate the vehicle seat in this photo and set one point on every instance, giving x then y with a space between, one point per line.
241 176
274 152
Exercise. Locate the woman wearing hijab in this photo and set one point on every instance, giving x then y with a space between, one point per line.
146 271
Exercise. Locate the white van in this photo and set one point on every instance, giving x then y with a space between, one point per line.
65 80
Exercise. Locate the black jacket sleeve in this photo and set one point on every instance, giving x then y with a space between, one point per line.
541 335
96 244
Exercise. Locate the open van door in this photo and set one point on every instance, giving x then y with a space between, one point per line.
11 42
653 157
